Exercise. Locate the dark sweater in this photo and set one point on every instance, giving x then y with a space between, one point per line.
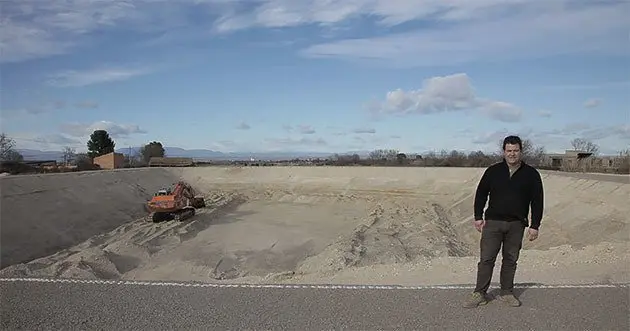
510 198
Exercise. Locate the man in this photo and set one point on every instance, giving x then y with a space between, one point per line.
513 186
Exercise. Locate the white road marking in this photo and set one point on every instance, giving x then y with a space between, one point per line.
294 286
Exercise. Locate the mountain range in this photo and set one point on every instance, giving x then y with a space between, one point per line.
196 154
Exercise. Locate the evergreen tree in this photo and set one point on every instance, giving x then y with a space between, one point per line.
100 143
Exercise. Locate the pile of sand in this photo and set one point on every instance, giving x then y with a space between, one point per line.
310 225
113 254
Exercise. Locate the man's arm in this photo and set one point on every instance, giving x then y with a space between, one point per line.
537 201
481 194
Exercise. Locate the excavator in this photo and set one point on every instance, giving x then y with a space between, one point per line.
177 202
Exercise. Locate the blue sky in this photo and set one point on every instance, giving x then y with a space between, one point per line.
334 76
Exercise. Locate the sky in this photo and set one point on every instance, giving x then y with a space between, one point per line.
319 75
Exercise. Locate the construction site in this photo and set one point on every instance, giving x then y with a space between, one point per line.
349 225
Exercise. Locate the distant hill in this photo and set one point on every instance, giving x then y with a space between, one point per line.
197 154
37 155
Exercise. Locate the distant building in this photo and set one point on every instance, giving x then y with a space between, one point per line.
584 161
27 166
171 162
110 161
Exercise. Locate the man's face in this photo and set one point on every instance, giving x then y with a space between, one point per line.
512 153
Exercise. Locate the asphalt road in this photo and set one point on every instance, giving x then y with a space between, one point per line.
32 305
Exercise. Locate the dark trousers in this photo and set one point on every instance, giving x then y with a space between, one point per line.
494 235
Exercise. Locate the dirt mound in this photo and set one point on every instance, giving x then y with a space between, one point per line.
391 235
42 214
113 254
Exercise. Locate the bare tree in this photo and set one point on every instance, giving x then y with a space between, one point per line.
624 162
584 145
384 154
7 151
69 155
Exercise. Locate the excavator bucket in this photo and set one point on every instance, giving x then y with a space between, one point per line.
198 202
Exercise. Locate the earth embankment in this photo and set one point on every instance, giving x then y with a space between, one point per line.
41 214
298 224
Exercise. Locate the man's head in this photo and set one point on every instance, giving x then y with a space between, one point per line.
512 149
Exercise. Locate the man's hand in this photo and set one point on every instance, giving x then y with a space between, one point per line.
532 234
479 224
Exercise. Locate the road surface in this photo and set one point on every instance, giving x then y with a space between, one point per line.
129 305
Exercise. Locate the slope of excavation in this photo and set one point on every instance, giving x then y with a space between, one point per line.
255 237
314 225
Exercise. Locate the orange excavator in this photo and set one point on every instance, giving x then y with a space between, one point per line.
177 202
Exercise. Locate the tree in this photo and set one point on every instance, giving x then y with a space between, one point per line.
624 162
69 154
100 143
7 151
84 162
152 149
401 158
454 159
383 154
584 145
346 159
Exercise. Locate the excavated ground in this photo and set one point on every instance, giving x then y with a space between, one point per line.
315 225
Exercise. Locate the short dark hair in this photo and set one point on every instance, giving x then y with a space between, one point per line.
513 140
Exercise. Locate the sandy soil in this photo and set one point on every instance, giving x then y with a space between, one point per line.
304 225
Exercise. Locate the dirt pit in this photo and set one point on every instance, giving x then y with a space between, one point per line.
261 235
349 229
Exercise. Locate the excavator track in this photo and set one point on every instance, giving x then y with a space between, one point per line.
178 216
184 214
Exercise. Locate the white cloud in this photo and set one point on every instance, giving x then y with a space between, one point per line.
77 78
283 13
610 138
444 94
490 30
292 13
243 126
56 139
86 104
364 131
51 141
589 132
468 30
276 144
302 129
623 84
34 109
592 103
306 129
375 141
493 138
500 111
33 29
115 130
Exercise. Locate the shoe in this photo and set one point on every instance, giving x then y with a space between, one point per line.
510 300
475 299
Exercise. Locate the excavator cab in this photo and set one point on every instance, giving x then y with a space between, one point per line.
164 191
